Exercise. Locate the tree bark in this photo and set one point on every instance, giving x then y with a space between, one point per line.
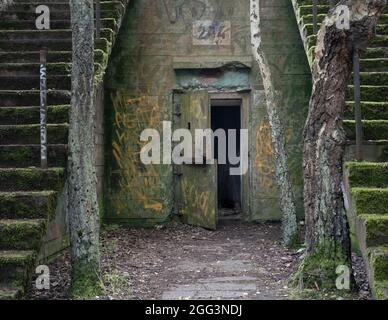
273 101
327 232
82 190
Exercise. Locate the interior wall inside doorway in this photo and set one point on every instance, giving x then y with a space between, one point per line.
229 187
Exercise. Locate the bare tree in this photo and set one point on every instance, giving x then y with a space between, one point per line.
82 192
327 234
273 102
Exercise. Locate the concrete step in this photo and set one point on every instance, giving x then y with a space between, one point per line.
10 293
381 290
369 93
367 174
15 266
369 110
21 234
379 262
373 229
60 5
13 15
307 9
31 115
32 82
30 134
370 200
27 205
20 98
378 64
52 45
33 69
375 150
374 79
20 35
372 129
307 18
22 156
31 179
372 53
52 57
107 23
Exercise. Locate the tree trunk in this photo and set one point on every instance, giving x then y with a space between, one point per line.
327 233
273 101
82 191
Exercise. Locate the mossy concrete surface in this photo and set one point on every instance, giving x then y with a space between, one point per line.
32 214
366 182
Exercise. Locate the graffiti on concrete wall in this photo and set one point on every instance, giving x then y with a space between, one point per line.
141 182
211 32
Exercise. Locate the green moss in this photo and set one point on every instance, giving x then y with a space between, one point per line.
376 228
370 200
367 174
21 234
372 129
318 269
380 290
31 179
379 263
86 281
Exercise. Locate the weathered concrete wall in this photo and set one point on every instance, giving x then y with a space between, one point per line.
285 52
157 41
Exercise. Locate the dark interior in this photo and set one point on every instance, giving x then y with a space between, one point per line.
229 187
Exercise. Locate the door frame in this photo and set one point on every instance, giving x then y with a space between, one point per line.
245 97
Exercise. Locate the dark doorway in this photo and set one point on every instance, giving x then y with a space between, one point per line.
227 115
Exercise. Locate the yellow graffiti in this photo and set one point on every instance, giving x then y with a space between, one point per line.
137 181
264 162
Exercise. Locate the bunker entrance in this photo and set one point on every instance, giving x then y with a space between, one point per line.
226 115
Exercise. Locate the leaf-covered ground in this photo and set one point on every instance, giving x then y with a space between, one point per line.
238 261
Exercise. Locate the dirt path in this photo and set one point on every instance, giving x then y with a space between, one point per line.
238 261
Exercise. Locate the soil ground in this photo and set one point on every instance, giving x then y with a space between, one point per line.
175 261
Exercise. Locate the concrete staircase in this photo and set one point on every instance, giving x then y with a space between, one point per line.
28 194
367 181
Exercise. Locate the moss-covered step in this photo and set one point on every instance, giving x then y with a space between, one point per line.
381 29
19 98
367 174
370 200
31 82
51 45
377 64
374 79
15 266
372 230
10 35
31 69
370 93
378 41
372 129
31 179
107 23
30 134
307 9
380 290
60 5
52 56
21 234
10 293
369 110
13 15
27 204
17 156
379 262
372 53
30 115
